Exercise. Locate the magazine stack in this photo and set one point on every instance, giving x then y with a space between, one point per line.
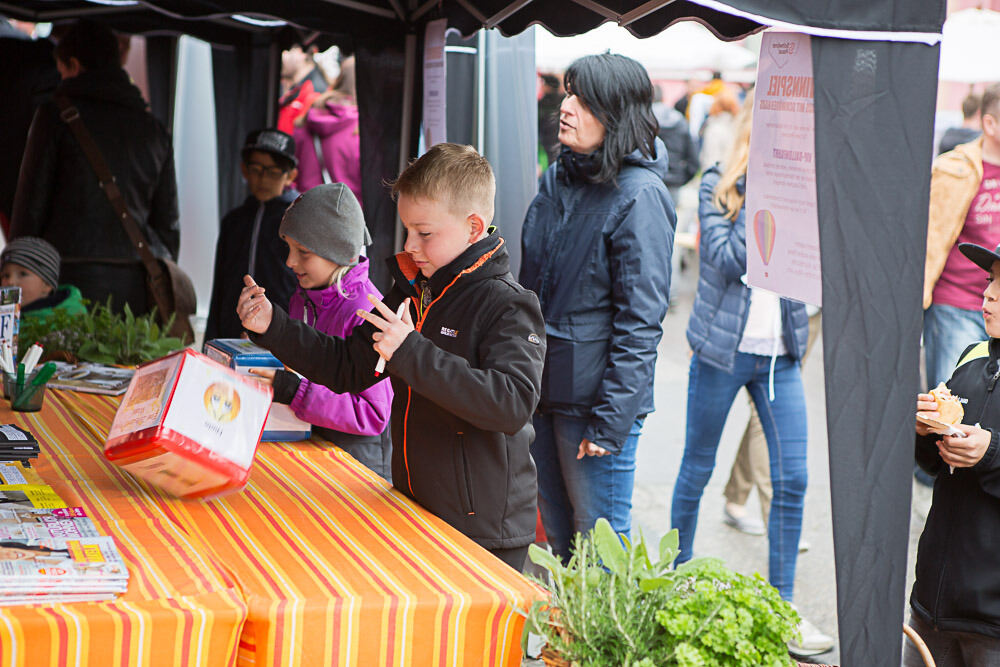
53 553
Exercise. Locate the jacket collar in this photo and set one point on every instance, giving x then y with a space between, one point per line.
325 296
107 84
484 259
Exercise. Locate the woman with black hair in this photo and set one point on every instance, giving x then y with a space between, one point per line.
596 248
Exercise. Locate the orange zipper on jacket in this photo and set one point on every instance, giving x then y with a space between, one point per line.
421 317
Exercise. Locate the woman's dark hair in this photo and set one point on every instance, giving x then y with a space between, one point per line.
92 43
617 90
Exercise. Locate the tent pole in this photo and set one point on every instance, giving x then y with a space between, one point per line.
405 132
481 92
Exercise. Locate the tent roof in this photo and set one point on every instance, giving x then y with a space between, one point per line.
223 21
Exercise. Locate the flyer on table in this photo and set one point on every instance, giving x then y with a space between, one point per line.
782 226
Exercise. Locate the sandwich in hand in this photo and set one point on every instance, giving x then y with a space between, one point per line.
948 406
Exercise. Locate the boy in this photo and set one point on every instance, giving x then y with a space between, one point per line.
248 235
955 602
464 353
32 264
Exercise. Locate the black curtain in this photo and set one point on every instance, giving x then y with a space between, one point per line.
874 127
161 72
241 106
379 71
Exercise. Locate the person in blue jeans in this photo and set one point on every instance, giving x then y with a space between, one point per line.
744 337
596 247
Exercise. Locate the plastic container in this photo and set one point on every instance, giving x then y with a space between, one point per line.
30 398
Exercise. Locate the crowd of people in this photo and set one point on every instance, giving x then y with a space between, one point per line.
513 396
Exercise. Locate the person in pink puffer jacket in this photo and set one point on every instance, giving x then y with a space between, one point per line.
328 141
325 232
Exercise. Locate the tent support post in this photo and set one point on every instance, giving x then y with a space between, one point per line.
405 131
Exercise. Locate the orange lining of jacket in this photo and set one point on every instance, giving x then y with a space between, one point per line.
420 323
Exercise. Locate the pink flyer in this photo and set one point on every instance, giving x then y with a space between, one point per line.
782 227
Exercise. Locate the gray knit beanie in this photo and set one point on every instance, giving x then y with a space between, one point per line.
328 221
36 255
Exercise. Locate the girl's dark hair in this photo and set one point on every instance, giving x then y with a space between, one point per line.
617 90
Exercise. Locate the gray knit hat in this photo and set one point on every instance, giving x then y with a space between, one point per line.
36 255
328 221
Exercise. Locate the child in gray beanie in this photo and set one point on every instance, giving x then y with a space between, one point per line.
33 264
325 232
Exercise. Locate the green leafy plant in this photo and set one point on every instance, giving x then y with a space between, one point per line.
614 605
719 617
100 335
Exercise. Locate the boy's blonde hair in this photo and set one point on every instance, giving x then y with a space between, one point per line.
456 176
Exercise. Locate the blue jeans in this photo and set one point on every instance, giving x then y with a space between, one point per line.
572 494
947 332
710 395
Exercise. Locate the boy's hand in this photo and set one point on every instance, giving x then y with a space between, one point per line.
587 448
964 452
253 308
393 330
265 375
928 406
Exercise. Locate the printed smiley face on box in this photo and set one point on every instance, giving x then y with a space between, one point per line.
189 425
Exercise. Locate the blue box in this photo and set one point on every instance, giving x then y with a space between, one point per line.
242 355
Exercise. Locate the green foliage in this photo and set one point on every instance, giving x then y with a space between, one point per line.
614 605
720 617
100 335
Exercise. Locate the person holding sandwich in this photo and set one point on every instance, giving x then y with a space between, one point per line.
955 600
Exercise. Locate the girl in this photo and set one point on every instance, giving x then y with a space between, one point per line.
325 232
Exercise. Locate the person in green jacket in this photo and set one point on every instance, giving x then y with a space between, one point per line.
32 264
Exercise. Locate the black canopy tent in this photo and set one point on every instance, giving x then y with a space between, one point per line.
875 69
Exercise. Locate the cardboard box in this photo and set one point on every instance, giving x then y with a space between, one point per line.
189 425
242 355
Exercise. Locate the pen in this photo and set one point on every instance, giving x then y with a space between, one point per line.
380 366
31 358
20 378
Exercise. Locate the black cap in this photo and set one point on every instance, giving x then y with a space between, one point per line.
274 142
983 257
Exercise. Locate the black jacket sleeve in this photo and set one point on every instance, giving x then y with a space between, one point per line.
502 393
640 267
343 365
164 218
37 177
927 455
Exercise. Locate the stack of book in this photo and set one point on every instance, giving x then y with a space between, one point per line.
50 552
16 444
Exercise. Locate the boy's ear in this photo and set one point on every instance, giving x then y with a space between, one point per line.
293 175
478 226
243 170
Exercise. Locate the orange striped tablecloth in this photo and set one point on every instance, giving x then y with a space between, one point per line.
334 566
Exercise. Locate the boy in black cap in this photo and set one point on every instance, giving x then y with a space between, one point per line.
955 601
32 264
248 236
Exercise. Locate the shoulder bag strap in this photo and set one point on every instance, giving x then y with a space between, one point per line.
71 116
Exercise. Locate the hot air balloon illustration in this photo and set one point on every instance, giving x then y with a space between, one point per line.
764 231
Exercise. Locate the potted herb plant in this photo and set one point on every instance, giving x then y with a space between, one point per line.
616 604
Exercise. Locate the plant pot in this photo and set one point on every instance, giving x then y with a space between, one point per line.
553 658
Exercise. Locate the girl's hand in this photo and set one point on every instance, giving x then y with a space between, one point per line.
587 448
965 452
253 308
265 375
393 330
928 406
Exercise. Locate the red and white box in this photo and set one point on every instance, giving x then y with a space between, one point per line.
189 425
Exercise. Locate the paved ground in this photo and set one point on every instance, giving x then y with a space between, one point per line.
659 455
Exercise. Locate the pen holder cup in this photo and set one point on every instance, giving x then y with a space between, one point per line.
29 398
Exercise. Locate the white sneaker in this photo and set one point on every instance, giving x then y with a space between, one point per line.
813 642
803 545
742 522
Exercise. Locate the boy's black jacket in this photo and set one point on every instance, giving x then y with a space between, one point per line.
957 586
466 384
